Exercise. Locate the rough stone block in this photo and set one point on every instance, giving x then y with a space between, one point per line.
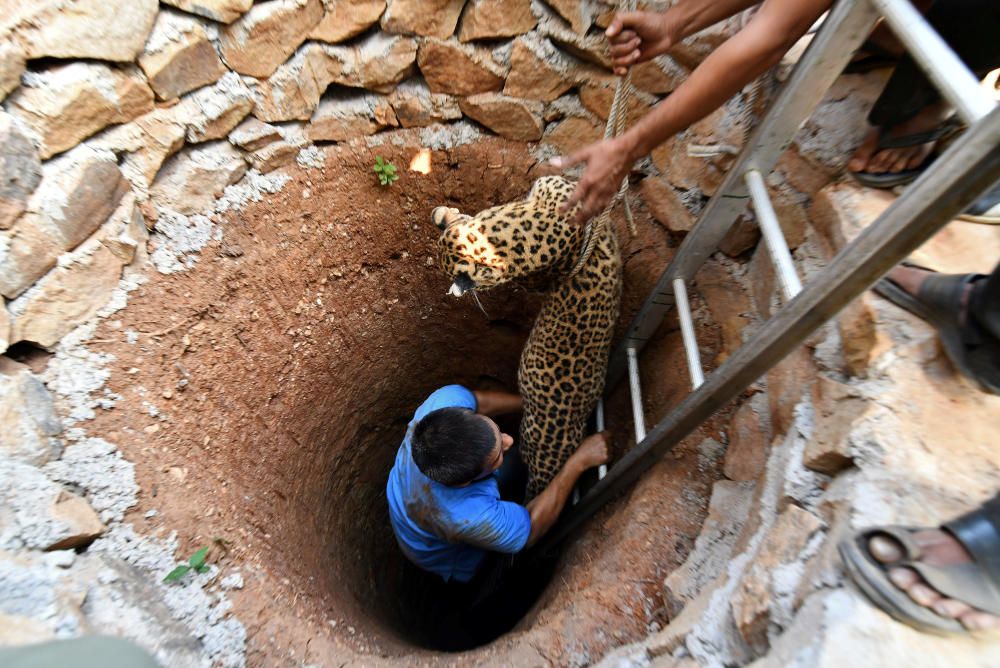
252 134
666 205
41 514
273 156
67 296
382 62
841 211
741 237
728 303
79 190
861 339
787 382
580 15
294 90
416 106
492 19
838 408
429 18
211 112
344 19
760 276
223 11
350 114
509 117
4 328
458 69
20 170
29 426
12 65
179 56
658 76
146 142
538 71
125 233
67 104
598 96
727 511
758 590
101 29
749 440
573 133
190 181
263 38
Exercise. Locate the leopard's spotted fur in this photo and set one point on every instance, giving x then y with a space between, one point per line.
564 361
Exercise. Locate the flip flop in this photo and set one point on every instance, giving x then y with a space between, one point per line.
986 209
945 130
972 349
872 57
971 582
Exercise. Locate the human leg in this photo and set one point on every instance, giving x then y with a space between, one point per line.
910 110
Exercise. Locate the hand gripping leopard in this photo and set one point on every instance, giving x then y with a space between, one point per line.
564 361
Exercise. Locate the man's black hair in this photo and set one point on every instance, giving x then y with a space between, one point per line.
450 445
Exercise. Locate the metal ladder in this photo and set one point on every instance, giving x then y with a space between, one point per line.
945 189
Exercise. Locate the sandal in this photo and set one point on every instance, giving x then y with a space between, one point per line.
870 57
986 209
975 583
945 130
973 350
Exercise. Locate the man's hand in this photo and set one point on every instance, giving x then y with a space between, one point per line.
593 451
636 37
606 164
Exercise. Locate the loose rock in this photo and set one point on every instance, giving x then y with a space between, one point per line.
538 71
665 204
11 67
252 134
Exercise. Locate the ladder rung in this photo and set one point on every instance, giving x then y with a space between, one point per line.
636 391
602 470
777 247
687 333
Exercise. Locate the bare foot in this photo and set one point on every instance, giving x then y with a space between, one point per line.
868 158
939 548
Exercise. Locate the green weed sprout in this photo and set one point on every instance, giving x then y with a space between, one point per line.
196 563
385 170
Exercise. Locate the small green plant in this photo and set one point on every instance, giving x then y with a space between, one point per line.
385 170
196 563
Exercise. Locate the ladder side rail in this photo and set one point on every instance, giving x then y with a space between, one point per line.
944 190
846 27
958 85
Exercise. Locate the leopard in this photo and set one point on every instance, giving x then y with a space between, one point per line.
564 361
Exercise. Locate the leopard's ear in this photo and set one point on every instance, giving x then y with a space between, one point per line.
461 285
443 216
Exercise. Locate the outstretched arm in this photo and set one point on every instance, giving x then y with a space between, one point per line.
545 508
497 402
742 58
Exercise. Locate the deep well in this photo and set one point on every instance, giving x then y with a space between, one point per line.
217 325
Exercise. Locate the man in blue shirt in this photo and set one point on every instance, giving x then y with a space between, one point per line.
444 500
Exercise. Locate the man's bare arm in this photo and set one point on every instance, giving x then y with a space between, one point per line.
545 508
497 402
746 55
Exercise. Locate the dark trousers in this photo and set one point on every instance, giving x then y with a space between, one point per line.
971 28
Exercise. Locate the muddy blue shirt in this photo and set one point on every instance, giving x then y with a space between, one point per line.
448 530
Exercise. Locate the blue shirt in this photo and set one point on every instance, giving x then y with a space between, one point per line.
448 530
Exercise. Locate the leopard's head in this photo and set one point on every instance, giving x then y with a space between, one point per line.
509 241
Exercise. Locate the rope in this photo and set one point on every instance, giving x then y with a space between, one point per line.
614 128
